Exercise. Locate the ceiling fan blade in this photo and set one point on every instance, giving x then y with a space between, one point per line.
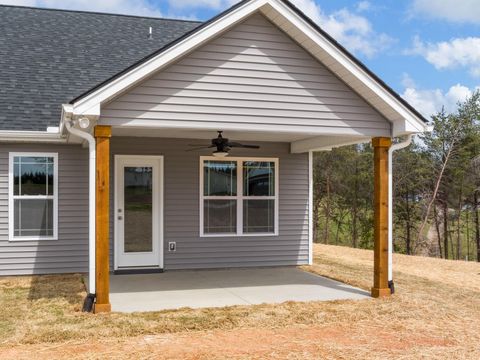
200 148
235 144
198 145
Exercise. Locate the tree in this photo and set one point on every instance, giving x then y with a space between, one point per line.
438 174
410 180
451 138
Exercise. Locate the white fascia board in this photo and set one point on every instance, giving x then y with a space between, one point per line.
92 102
67 112
92 112
401 128
404 113
324 143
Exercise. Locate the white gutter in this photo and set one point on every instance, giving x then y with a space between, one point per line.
393 148
31 136
91 202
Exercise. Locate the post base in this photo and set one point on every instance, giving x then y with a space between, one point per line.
384 292
102 308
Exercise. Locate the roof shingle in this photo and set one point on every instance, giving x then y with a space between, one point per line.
48 57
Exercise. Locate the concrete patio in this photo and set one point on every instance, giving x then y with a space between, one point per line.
217 288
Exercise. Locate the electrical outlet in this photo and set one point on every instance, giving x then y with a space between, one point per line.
172 246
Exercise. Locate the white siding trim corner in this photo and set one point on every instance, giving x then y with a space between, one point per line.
310 208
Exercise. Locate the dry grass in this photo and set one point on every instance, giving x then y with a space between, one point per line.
435 314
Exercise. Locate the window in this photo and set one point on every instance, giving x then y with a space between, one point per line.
33 196
238 197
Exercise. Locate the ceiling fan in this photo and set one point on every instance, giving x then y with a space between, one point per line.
223 146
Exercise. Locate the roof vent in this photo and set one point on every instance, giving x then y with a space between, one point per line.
150 36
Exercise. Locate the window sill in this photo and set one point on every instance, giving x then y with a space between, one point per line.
32 238
239 235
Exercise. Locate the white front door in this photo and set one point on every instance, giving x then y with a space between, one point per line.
138 211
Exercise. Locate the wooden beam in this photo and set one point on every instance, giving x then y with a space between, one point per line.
102 136
380 162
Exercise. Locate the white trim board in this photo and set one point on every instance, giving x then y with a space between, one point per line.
310 208
31 136
324 50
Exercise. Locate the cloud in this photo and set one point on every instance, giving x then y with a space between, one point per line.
456 53
364 6
450 10
431 101
129 7
19 2
353 31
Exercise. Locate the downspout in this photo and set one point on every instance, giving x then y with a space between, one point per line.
88 304
393 148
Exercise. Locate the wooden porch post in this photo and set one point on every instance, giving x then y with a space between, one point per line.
102 136
380 162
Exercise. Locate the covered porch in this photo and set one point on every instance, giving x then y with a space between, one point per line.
179 221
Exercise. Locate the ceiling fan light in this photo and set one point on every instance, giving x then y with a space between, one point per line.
220 153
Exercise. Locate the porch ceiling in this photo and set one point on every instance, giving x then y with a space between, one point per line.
300 142
209 134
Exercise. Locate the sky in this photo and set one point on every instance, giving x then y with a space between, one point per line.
426 50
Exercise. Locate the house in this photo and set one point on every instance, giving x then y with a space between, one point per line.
98 113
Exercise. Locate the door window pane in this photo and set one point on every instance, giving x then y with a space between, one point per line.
220 216
33 217
138 209
258 178
220 178
259 216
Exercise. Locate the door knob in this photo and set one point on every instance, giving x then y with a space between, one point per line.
119 217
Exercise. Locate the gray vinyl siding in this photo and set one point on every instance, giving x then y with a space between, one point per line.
254 73
181 208
70 252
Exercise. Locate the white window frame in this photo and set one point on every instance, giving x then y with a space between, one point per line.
239 197
12 197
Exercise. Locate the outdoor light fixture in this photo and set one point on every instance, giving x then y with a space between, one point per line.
84 122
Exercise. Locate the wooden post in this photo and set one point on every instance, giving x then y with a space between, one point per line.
102 136
380 163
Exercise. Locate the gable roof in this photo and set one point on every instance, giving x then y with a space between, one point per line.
48 57
404 118
229 10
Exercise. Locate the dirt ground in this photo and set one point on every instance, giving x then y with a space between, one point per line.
434 315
